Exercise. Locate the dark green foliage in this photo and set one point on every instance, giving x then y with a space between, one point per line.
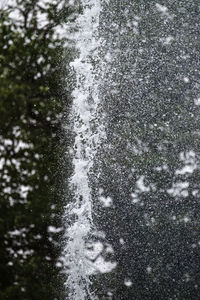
31 77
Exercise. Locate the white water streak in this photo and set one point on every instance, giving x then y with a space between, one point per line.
87 135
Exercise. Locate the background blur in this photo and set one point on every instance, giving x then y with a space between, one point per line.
146 204
32 76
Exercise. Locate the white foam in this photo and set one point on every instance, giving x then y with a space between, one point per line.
88 130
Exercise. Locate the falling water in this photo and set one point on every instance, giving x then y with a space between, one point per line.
144 76
87 130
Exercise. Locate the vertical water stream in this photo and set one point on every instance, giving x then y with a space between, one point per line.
87 131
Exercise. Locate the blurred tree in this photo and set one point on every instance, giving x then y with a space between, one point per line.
32 97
